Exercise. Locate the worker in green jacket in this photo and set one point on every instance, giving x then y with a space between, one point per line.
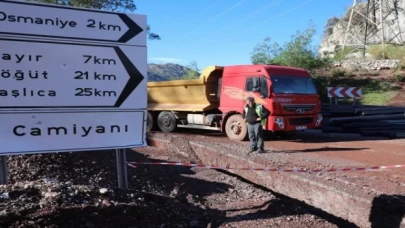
255 115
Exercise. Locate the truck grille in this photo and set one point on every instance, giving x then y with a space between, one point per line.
301 121
293 108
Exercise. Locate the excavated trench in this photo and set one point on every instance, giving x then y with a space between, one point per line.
332 197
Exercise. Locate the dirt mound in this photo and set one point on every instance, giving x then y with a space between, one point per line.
61 204
93 167
77 190
399 99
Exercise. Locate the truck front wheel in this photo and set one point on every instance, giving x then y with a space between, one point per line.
167 122
236 128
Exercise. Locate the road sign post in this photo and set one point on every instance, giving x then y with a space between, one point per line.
3 170
122 168
71 79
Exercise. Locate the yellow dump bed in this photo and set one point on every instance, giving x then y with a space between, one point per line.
186 95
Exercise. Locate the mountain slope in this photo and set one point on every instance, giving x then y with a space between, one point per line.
164 72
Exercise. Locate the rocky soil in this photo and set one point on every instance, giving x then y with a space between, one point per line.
78 190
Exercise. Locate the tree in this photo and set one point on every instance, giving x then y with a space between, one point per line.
297 52
264 52
110 5
192 71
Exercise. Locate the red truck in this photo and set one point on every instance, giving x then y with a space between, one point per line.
216 99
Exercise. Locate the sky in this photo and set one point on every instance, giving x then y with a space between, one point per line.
224 32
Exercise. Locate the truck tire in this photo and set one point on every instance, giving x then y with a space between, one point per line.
150 122
167 122
236 128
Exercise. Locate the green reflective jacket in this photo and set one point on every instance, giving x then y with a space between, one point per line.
259 109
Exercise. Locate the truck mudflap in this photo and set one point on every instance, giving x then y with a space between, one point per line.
294 123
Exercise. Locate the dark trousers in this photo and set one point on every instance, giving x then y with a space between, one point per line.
255 132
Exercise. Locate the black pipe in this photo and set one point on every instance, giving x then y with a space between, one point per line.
381 133
382 128
387 111
329 129
372 124
397 135
377 108
367 118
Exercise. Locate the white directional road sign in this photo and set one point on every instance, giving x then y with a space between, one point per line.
35 74
71 79
44 132
53 21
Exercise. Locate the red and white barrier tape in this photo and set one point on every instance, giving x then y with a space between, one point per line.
266 169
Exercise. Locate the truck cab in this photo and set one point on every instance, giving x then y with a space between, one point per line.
288 93
215 100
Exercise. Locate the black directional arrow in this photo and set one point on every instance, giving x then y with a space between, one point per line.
135 77
61 22
133 30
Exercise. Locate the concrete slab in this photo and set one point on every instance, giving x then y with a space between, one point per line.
330 192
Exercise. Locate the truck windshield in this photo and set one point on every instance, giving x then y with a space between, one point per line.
292 84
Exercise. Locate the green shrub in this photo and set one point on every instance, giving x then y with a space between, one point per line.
399 78
338 72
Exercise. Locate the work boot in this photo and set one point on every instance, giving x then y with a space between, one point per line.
252 150
262 150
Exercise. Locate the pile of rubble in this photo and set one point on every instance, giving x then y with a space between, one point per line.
368 64
47 203
77 190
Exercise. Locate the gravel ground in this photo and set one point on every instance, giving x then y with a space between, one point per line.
78 190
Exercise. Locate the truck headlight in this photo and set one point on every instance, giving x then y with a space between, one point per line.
279 121
319 120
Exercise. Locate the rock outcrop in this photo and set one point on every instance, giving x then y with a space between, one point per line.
335 39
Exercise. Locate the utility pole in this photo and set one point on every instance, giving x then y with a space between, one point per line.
382 29
363 28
